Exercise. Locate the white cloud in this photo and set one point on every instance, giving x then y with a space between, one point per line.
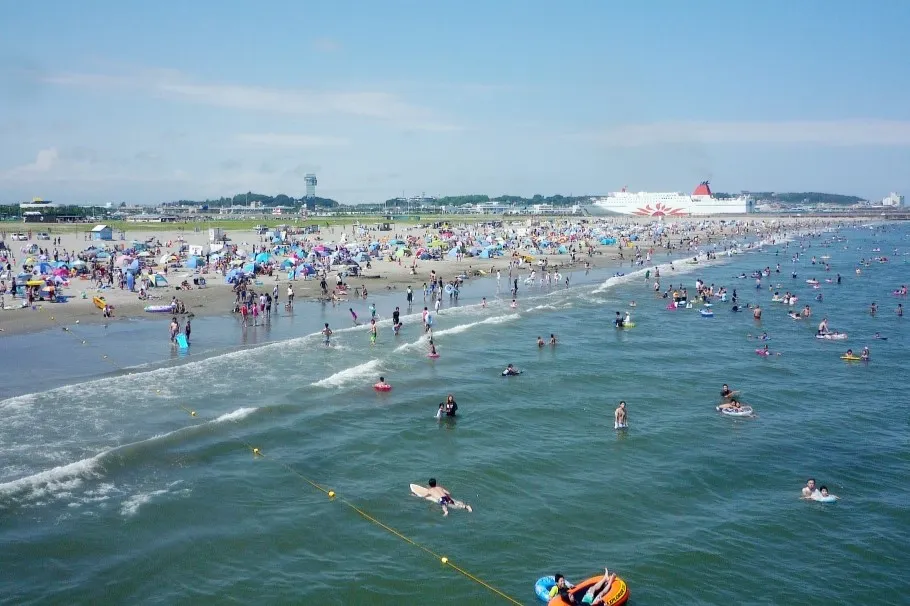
822 132
173 85
290 140
45 161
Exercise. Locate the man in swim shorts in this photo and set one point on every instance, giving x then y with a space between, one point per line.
444 498
327 333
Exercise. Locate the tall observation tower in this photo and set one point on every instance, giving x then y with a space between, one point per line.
310 180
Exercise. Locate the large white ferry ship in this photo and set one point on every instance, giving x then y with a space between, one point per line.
673 204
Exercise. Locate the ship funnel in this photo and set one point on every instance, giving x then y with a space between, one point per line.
703 189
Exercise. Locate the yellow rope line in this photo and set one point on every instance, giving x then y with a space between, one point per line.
330 493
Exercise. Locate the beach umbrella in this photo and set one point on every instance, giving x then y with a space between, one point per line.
263 257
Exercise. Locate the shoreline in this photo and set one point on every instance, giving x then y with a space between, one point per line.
385 277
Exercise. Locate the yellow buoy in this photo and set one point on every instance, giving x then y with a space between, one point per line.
444 560
52 317
193 414
331 494
256 451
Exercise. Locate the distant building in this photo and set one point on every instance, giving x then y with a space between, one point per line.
893 199
310 181
37 204
102 232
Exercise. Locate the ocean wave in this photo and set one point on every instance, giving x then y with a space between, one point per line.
131 504
348 375
61 481
465 327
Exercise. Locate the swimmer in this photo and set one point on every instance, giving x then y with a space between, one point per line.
866 355
552 339
880 337
809 489
849 353
561 588
823 492
373 332
511 371
433 348
514 304
397 328
540 342
353 316
382 384
627 321
620 417
327 333
733 403
632 304
726 393
617 321
483 302
444 498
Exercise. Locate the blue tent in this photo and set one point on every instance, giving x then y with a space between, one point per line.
233 275
561 250
44 267
608 241
249 268
362 257
263 257
193 262
133 268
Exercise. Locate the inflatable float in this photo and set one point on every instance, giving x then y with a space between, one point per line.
158 309
543 586
851 358
820 499
620 425
433 355
99 302
514 373
763 352
706 313
616 596
744 411
382 387
832 336
625 325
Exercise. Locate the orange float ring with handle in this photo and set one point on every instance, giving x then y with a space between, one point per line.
618 594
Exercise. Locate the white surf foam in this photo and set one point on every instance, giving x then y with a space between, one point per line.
236 415
348 375
465 327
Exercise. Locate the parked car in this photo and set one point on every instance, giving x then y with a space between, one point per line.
21 237
44 236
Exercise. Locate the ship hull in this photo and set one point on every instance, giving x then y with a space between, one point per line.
681 206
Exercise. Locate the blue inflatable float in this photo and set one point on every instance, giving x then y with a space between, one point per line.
543 586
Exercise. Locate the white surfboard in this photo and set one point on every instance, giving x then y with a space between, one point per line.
421 491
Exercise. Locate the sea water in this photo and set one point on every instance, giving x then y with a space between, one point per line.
131 478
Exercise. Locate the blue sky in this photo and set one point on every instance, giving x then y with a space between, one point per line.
110 101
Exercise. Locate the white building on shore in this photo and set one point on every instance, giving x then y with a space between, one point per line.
893 199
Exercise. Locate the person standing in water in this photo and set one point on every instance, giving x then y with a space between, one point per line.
175 328
353 316
373 332
620 417
187 330
327 333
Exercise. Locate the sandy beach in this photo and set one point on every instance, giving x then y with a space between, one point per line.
383 275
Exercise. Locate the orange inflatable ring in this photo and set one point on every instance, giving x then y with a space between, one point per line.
382 387
618 594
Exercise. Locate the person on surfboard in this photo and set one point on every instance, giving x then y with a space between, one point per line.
444 498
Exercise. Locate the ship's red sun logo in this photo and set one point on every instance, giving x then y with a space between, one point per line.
659 210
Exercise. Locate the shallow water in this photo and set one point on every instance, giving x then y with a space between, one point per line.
112 492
